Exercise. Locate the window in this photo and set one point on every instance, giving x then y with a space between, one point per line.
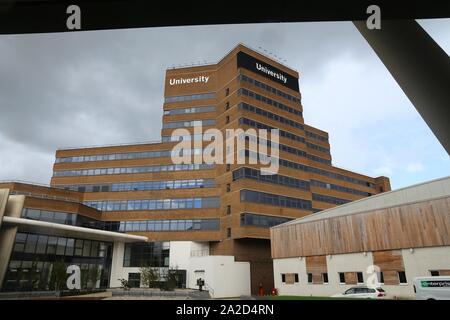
41 244
190 97
227 119
51 245
274 199
61 246
258 220
341 277
228 209
359 276
30 246
380 277
310 278
227 105
283 278
228 187
296 277
20 241
228 167
325 277
134 280
228 232
402 277
255 174
227 91
350 291
150 254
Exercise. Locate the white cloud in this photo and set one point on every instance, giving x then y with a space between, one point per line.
415 167
383 171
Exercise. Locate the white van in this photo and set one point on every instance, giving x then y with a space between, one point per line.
432 288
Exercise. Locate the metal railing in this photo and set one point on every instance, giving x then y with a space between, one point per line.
111 145
206 63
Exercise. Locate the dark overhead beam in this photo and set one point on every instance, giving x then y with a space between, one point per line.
420 67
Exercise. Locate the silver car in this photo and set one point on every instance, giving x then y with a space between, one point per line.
362 293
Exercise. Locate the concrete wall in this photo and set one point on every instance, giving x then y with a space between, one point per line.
179 258
224 278
118 271
417 262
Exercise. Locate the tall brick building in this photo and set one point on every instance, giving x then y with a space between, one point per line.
225 209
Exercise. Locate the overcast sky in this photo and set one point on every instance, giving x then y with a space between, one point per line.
106 87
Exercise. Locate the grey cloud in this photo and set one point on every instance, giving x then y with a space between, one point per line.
106 87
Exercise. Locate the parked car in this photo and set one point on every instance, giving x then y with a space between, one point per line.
432 288
362 293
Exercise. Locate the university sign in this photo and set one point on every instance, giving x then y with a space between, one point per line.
255 65
198 79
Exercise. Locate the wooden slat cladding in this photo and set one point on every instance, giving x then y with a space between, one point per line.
390 263
389 260
290 278
351 278
316 265
422 224
444 272
391 277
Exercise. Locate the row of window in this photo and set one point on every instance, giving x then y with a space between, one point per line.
268 88
359 277
302 167
255 174
40 273
329 199
128 170
155 204
50 245
145 185
318 159
274 199
190 137
339 188
282 133
259 125
291 150
49 216
122 156
380 277
269 101
316 136
185 124
317 147
191 97
270 115
169 225
189 110
258 220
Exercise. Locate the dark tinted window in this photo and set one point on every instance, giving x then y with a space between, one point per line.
359 275
402 277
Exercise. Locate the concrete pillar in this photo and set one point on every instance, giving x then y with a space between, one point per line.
9 206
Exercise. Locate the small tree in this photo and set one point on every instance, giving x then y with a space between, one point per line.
94 276
124 284
171 277
148 276
59 275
